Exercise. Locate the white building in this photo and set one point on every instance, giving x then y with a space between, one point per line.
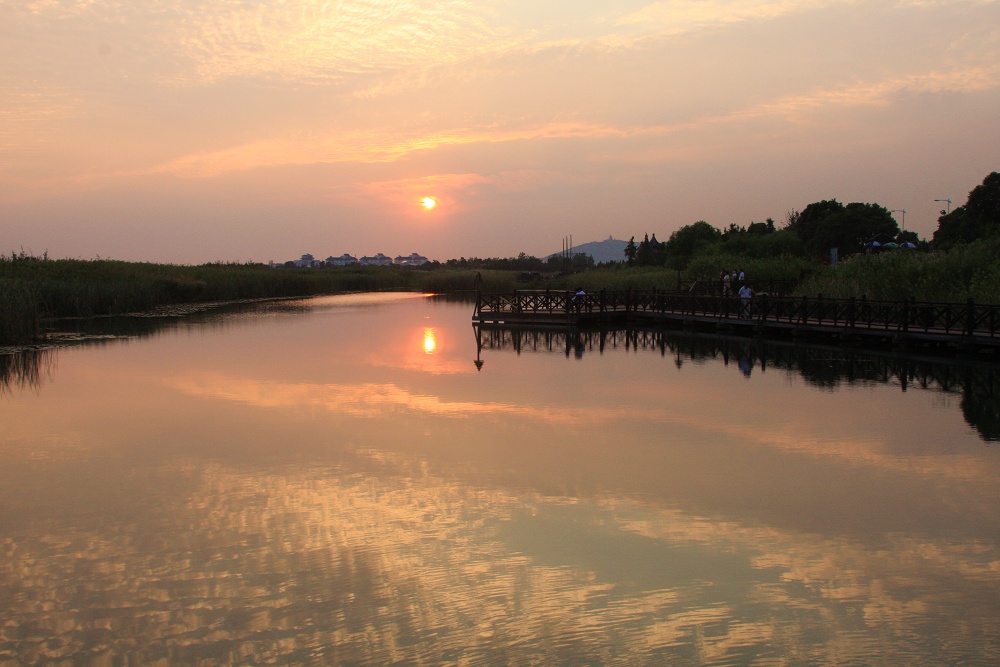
413 259
307 261
343 260
377 260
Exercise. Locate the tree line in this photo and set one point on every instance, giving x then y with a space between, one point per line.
523 262
812 232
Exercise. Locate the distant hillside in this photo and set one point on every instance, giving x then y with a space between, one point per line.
609 250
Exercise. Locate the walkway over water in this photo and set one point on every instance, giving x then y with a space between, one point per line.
967 326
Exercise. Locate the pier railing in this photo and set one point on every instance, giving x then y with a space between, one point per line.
948 319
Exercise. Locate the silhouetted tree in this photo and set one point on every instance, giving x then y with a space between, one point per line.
688 240
630 252
977 219
829 224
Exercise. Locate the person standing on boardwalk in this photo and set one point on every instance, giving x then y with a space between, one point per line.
727 289
746 294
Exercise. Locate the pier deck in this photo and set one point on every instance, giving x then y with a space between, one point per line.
965 326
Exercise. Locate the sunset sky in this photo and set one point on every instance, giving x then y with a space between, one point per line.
191 131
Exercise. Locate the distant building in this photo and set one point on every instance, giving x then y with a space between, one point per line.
343 260
307 261
413 259
377 260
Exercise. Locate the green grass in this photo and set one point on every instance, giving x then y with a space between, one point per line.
968 272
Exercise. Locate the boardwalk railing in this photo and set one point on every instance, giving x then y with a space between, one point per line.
946 319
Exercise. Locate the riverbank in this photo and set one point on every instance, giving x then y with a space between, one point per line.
35 291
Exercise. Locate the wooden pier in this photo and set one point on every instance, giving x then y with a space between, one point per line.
966 327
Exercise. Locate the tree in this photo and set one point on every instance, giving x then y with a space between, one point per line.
807 223
688 240
978 218
984 200
829 224
760 228
630 252
649 252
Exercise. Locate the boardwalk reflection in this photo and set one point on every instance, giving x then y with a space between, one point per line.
977 383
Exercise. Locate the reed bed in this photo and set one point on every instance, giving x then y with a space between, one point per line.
34 290
20 317
968 272
702 268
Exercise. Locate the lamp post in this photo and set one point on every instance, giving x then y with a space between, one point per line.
949 206
903 211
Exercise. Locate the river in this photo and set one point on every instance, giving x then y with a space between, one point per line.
369 480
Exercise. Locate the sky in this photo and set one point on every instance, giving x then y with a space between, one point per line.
191 131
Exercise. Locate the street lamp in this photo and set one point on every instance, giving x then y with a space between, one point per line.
903 211
949 206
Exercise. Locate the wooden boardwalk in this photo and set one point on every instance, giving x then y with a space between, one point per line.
968 326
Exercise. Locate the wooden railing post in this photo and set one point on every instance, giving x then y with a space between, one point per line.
970 318
479 294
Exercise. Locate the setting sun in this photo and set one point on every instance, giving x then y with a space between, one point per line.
429 203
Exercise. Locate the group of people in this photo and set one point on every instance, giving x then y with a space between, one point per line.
737 282
732 282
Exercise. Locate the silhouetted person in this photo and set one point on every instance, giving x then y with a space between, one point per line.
746 295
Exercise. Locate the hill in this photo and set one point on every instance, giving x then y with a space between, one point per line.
609 250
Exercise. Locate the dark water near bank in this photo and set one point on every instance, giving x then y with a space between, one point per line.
369 480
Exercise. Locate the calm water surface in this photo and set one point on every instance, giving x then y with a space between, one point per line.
334 481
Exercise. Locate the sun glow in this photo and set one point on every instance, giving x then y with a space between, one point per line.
429 203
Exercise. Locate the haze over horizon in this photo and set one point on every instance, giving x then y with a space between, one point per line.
190 131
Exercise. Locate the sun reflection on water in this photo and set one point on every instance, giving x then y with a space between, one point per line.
358 494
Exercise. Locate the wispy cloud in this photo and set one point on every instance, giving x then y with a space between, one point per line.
679 16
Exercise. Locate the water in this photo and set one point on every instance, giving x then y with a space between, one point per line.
337 481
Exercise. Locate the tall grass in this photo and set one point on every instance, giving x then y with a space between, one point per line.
20 319
966 272
619 277
456 281
789 268
702 268
33 289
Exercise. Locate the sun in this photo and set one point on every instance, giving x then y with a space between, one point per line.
429 203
